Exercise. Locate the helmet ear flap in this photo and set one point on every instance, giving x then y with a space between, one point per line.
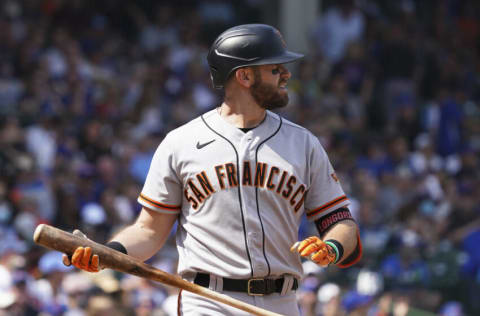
213 74
217 77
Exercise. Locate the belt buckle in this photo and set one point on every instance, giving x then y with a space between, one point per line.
250 284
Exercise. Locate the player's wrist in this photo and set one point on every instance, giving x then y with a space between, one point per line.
337 248
117 246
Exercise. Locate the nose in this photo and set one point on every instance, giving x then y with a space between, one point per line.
285 73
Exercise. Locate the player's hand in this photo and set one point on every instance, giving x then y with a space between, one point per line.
316 250
82 257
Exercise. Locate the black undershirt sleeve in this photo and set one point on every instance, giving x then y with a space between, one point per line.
324 223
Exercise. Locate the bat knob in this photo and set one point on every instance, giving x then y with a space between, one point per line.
295 246
38 232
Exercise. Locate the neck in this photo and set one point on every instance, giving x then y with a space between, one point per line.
242 112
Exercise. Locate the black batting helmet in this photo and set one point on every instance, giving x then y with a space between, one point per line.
246 45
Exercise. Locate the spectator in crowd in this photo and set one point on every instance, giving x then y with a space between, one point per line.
340 25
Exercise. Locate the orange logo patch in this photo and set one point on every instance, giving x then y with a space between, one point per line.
334 176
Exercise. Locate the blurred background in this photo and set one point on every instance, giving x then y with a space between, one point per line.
88 89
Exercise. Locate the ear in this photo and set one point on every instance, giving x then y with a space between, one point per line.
244 77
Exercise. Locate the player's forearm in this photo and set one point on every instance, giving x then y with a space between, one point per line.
147 235
344 232
138 241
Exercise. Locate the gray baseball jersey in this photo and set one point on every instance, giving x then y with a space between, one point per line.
240 196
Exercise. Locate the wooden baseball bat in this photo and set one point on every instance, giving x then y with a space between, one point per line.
57 239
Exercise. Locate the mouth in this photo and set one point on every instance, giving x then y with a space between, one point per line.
283 85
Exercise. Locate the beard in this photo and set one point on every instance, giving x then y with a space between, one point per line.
267 95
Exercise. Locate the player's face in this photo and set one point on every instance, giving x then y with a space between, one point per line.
270 87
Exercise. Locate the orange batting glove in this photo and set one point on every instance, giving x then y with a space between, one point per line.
316 250
82 257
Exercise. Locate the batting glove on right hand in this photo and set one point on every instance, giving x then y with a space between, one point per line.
82 257
316 250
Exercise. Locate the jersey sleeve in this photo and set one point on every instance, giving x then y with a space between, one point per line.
325 193
162 190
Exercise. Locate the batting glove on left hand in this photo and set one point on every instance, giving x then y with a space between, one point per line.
82 257
316 250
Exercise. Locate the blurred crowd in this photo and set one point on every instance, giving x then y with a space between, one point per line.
391 88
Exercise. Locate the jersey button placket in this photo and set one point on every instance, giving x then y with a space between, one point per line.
261 269
256 242
244 155
252 224
254 239
249 136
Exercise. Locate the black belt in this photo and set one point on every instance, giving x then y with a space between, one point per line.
255 286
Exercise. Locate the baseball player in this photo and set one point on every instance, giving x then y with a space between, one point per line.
238 180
